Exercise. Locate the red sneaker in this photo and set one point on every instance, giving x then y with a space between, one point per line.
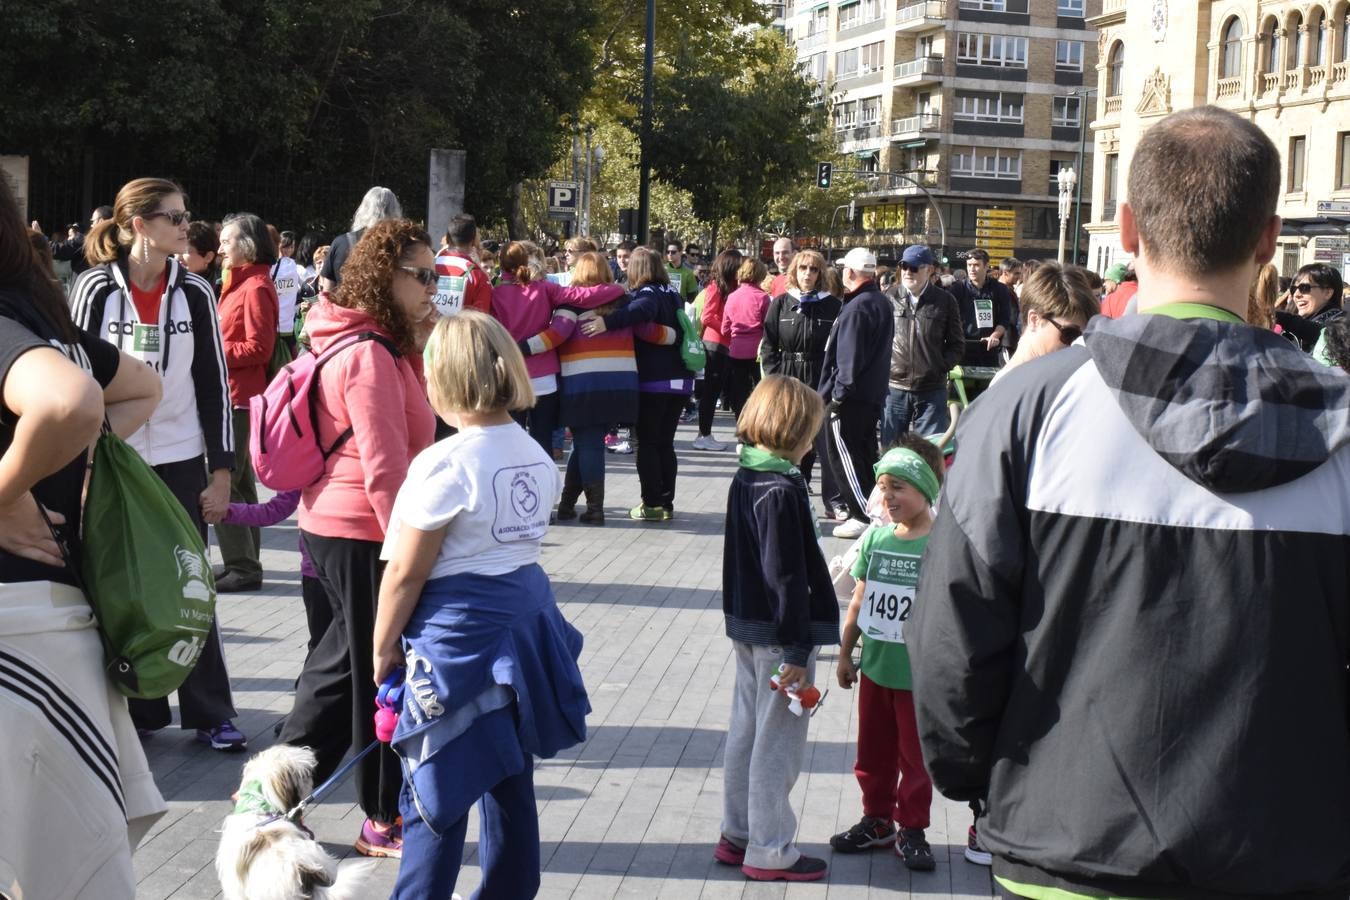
727 853
806 868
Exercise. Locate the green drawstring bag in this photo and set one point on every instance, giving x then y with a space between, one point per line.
281 358
145 573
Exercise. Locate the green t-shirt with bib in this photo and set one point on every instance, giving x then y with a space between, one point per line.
890 566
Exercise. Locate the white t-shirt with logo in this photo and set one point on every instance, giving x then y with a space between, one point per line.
286 279
494 486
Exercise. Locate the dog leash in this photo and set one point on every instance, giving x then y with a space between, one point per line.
333 781
388 699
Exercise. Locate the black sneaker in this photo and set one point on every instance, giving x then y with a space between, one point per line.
912 847
868 833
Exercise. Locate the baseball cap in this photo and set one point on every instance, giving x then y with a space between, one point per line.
918 255
859 259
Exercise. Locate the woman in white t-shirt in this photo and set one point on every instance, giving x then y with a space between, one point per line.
492 679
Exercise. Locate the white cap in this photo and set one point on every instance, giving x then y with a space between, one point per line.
859 259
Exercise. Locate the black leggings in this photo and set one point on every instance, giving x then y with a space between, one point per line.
742 376
713 374
658 418
541 419
335 699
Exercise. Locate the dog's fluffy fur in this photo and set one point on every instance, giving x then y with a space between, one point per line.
278 860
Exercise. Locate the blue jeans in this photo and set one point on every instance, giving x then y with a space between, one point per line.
508 846
921 411
587 464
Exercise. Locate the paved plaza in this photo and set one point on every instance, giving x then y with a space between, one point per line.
632 812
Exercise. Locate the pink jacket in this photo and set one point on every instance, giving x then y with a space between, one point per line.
383 400
743 321
527 309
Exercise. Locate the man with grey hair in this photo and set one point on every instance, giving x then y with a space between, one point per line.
378 204
1135 614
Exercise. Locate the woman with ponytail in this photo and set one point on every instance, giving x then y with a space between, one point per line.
141 298
525 303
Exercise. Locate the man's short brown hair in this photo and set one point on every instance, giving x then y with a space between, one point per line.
781 414
1203 186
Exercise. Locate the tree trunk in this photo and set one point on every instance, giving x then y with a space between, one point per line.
515 222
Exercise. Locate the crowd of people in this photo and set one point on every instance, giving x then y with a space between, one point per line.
1053 674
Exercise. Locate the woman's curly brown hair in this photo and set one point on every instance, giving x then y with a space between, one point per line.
368 276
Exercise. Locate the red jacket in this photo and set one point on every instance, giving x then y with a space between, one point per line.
713 305
248 329
1113 306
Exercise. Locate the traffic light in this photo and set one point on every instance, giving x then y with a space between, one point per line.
823 173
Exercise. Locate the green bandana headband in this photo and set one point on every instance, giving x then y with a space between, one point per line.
907 465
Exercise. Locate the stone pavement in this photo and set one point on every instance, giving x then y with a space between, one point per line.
634 811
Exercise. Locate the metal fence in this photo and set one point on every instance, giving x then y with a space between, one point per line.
60 194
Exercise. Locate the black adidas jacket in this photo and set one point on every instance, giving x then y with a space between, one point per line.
1135 624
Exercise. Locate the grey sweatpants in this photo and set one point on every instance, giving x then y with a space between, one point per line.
765 747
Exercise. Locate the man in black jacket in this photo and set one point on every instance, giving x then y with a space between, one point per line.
1135 614
928 342
986 311
853 383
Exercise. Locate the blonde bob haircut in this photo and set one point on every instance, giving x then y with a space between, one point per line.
782 415
591 269
751 270
476 367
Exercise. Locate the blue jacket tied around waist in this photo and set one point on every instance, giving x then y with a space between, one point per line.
492 681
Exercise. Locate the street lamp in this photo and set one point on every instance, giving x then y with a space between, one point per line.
598 155
1066 179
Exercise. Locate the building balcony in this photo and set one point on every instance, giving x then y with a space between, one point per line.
855 138
918 126
1111 106
924 70
886 184
921 16
1229 89
811 41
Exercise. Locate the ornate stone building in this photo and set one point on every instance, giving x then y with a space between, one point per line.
1284 65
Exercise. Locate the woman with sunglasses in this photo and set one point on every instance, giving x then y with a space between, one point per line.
1316 296
138 295
1057 302
796 327
373 390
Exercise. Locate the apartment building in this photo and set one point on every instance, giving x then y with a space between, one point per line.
1283 65
975 104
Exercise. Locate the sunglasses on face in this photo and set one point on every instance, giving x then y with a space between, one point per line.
427 277
1304 287
175 217
672 252
906 267
1067 333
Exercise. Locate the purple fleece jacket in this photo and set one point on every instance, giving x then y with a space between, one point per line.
260 515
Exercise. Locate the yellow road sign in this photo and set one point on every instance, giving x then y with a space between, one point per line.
995 214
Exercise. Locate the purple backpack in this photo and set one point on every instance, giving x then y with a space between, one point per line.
283 440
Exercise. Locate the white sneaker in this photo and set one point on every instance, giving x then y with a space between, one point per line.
850 529
707 442
622 447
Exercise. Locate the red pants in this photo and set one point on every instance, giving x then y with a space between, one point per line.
890 769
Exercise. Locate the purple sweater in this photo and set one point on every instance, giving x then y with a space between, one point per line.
260 515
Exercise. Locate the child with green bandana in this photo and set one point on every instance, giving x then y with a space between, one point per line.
780 609
897 791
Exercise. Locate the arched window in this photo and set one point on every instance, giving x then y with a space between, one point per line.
1231 65
1317 44
1272 47
1115 65
1296 56
1341 54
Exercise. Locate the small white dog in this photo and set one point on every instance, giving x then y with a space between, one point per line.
265 856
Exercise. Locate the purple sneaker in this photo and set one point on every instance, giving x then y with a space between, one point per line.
385 842
223 737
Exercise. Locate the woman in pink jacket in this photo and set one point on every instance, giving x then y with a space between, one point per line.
715 295
525 305
373 409
743 327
